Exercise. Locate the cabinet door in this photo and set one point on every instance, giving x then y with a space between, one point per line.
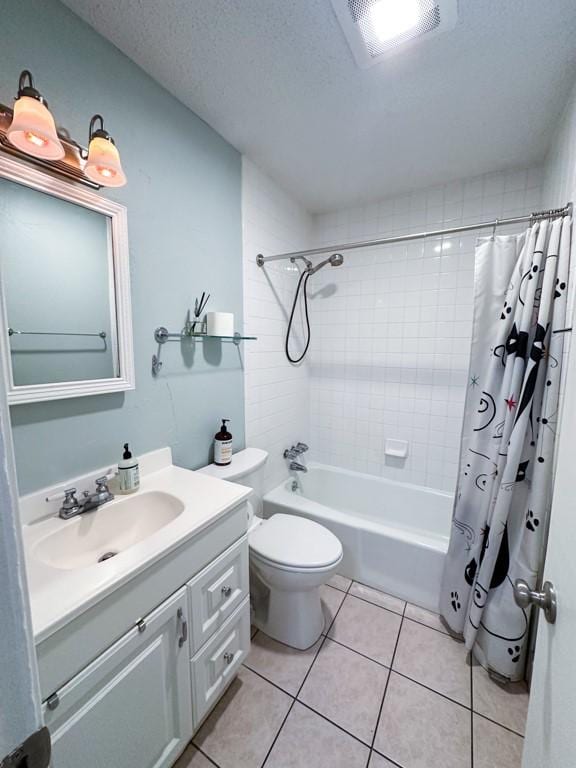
130 708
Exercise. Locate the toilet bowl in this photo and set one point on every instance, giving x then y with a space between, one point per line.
290 558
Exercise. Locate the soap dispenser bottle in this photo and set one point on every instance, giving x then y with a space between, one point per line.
128 472
223 446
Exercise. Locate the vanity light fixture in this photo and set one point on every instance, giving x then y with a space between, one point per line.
32 129
103 165
28 132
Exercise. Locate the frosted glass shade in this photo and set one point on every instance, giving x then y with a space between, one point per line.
33 130
103 165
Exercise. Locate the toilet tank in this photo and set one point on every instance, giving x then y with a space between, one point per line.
246 468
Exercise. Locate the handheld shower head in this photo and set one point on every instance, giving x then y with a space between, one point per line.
336 260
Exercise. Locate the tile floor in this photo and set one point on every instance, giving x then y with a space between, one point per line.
384 687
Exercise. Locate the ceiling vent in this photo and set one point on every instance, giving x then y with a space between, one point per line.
376 28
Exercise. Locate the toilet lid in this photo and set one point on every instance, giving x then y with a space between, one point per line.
294 541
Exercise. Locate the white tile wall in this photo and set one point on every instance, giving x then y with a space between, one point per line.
392 328
277 412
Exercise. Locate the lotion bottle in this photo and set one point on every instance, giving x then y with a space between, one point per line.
223 446
128 472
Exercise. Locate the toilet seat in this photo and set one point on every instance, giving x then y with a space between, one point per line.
294 543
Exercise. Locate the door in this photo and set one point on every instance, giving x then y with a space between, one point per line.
20 712
130 708
550 729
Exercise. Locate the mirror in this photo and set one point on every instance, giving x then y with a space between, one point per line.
66 326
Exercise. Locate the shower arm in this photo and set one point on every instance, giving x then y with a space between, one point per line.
537 216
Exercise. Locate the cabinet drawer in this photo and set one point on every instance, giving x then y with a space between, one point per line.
217 591
216 664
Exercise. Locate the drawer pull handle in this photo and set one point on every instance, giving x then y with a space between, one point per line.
184 636
228 658
226 591
141 626
53 701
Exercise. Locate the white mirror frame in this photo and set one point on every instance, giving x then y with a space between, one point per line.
21 173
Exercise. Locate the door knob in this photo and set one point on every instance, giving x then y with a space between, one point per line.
547 600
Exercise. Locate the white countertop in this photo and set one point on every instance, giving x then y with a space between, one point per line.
57 595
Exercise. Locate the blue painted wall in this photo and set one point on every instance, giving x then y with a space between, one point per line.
184 214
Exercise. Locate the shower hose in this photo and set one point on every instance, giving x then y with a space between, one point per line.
302 283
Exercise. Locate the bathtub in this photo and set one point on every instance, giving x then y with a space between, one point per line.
394 535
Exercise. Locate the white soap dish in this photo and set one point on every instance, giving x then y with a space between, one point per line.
396 448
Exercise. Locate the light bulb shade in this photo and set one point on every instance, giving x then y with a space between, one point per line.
33 130
103 165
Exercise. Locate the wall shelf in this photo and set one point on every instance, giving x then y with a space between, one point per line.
163 335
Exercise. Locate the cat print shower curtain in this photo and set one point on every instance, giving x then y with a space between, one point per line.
506 458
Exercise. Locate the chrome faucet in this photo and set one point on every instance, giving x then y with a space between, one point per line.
71 506
297 467
296 450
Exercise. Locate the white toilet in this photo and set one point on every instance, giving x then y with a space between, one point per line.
290 558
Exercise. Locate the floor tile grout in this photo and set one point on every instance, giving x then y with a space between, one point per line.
406 677
326 636
434 629
334 723
391 610
390 669
495 722
376 605
385 690
358 653
386 758
263 677
206 756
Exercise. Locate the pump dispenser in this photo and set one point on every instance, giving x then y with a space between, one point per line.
223 446
128 472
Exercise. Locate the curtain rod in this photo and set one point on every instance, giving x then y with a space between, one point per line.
565 211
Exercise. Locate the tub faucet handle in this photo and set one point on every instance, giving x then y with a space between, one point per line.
290 453
301 448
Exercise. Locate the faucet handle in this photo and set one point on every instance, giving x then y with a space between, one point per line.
301 448
102 486
290 453
70 504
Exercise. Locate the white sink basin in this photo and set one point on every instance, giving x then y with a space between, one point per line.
98 536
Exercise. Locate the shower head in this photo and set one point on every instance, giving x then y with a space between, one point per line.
336 260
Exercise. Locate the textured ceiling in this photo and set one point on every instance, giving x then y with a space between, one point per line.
276 78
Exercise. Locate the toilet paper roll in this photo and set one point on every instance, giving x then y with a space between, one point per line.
220 324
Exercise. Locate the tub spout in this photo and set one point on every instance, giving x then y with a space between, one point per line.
297 467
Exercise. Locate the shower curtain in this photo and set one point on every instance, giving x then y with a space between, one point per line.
506 457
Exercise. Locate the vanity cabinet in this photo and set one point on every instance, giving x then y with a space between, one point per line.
139 702
132 706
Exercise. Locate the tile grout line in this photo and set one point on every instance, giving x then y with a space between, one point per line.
390 610
295 699
501 725
206 756
412 679
385 689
